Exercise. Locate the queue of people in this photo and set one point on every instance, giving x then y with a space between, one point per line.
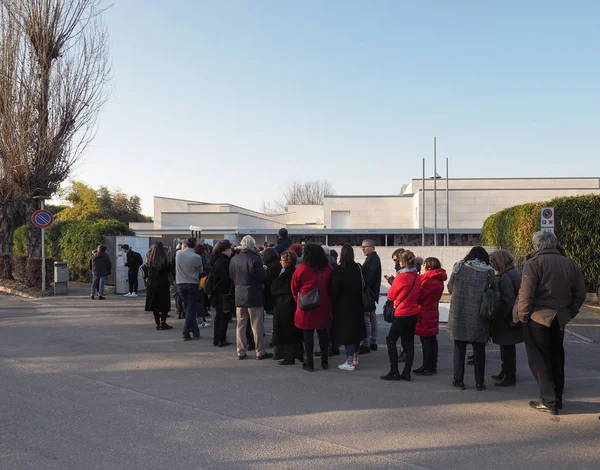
309 293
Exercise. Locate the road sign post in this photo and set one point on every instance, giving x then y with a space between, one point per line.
43 219
547 219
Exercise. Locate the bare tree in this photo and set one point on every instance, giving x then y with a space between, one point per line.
57 89
301 193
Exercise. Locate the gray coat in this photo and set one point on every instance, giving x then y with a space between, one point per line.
467 287
501 331
248 275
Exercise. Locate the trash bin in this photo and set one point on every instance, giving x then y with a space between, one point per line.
61 278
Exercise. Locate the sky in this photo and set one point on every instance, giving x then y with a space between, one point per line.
230 101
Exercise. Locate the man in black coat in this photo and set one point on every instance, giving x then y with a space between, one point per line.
283 241
372 275
133 262
248 275
101 269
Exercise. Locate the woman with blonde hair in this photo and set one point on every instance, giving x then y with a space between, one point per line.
405 295
503 330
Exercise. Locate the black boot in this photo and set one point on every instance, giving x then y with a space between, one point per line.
405 374
394 373
507 382
500 376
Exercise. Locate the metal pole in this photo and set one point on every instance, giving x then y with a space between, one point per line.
447 208
423 207
43 206
434 192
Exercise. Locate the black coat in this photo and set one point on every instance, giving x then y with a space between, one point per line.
220 281
284 329
372 272
283 244
248 275
273 271
346 305
158 296
101 265
500 329
134 260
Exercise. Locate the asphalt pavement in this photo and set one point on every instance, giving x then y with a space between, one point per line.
93 385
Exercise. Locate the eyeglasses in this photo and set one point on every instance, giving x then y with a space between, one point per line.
365 246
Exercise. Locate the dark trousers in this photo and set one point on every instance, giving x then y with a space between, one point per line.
546 356
189 298
132 277
200 305
309 345
160 317
402 328
430 351
508 355
460 350
220 324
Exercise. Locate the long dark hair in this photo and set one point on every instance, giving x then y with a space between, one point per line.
270 256
314 256
157 258
347 255
478 252
218 250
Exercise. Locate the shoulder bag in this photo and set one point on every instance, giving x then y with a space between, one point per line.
389 308
311 299
367 296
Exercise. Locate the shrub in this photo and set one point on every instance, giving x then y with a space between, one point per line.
20 241
577 227
78 239
34 272
20 267
6 266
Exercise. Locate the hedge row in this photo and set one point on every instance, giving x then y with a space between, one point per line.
73 242
6 266
29 271
577 227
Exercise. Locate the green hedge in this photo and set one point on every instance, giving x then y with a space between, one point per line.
73 241
577 227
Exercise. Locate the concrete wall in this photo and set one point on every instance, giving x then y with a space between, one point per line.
372 212
306 214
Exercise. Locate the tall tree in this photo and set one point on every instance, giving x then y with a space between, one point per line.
57 87
302 193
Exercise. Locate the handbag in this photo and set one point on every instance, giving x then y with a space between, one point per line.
228 300
389 308
311 299
367 296
490 300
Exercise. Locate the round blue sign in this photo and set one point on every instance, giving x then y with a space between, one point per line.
547 213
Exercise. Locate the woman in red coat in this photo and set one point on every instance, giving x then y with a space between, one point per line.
432 288
405 294
314 270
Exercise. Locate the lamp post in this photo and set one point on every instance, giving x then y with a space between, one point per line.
42 200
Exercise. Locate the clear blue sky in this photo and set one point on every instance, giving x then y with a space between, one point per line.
227 101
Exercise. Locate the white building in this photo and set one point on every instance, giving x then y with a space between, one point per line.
388 220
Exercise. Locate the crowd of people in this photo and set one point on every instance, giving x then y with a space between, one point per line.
312 291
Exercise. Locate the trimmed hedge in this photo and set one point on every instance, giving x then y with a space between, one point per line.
577 227
71 241
34 273
20 268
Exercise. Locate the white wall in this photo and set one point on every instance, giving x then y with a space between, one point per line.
305 213
372 212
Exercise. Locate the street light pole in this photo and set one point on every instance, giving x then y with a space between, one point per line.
434 192
42 200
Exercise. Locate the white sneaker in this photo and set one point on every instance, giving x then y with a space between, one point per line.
133 295
128 294
346 366
204 324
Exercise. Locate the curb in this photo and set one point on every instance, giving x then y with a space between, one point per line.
18 293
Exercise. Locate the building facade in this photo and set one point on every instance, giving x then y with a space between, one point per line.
389 220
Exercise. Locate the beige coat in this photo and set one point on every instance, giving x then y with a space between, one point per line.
552 286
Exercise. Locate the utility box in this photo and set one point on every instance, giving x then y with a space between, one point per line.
61 278
118 276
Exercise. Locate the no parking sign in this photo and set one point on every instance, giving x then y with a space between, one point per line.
547 214
42 218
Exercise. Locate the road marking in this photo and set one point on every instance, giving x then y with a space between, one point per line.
581 337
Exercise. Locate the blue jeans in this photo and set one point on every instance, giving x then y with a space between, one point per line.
351 349
371 327
189 298
98 283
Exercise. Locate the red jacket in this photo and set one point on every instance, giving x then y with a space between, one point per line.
303 281
432 288
405 294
